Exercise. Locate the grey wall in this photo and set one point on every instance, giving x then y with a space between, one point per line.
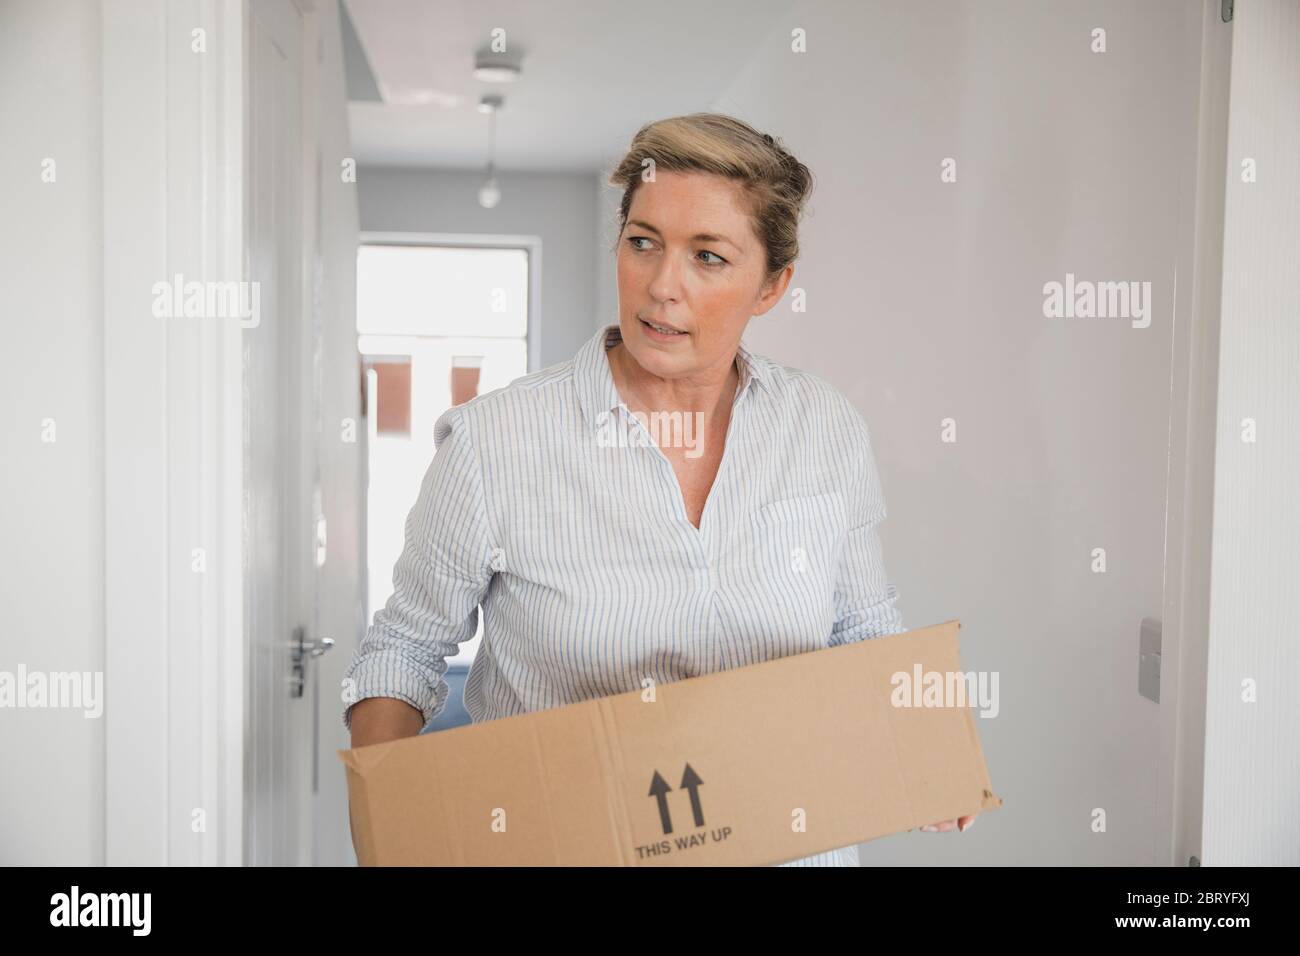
607 200
560 208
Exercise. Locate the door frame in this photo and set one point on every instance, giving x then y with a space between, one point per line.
1189 492
174 174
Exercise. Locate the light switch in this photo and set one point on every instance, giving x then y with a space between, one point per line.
1149 659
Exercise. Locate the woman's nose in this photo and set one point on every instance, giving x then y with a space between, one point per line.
666 282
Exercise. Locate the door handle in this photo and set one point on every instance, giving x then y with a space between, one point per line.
317 648
300 651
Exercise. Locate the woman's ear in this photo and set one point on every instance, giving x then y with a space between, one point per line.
772 290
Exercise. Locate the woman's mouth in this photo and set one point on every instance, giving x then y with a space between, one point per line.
662 332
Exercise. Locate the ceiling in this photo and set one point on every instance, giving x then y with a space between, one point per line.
594 71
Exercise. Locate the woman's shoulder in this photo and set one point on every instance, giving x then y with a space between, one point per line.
514 404
828 425
816 398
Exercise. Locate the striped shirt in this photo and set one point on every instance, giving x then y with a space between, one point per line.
549 506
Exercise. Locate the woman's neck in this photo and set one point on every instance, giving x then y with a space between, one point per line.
643 391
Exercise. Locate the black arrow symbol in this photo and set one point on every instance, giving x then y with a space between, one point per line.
691 781
659 788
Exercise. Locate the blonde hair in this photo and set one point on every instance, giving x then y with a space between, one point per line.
775 183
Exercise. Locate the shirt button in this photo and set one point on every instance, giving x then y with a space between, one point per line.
497 559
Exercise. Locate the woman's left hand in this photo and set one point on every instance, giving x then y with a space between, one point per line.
961 823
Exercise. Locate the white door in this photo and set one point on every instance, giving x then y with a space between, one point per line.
277 354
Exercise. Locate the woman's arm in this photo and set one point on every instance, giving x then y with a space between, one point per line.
377 720
865 600
395 683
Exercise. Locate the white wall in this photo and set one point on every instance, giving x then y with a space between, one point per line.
925 301
52 494
558 207
1252 763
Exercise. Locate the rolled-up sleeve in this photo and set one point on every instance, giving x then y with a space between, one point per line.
439 580
865 599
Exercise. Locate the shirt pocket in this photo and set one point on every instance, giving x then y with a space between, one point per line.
824 507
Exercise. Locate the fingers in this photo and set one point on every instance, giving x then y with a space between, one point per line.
942 827
961 824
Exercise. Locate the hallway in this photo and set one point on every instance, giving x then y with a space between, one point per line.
257 249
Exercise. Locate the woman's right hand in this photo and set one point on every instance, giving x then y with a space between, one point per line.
377 720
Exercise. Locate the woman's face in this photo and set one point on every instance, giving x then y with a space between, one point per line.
688 258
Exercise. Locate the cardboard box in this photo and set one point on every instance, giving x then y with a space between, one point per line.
752 766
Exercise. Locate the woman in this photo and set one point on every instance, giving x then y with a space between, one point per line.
605 548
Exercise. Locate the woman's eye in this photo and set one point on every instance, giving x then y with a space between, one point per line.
717 260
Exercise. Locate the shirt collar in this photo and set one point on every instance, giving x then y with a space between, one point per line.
595 380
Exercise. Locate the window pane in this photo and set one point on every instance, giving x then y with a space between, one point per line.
444 291
393 397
